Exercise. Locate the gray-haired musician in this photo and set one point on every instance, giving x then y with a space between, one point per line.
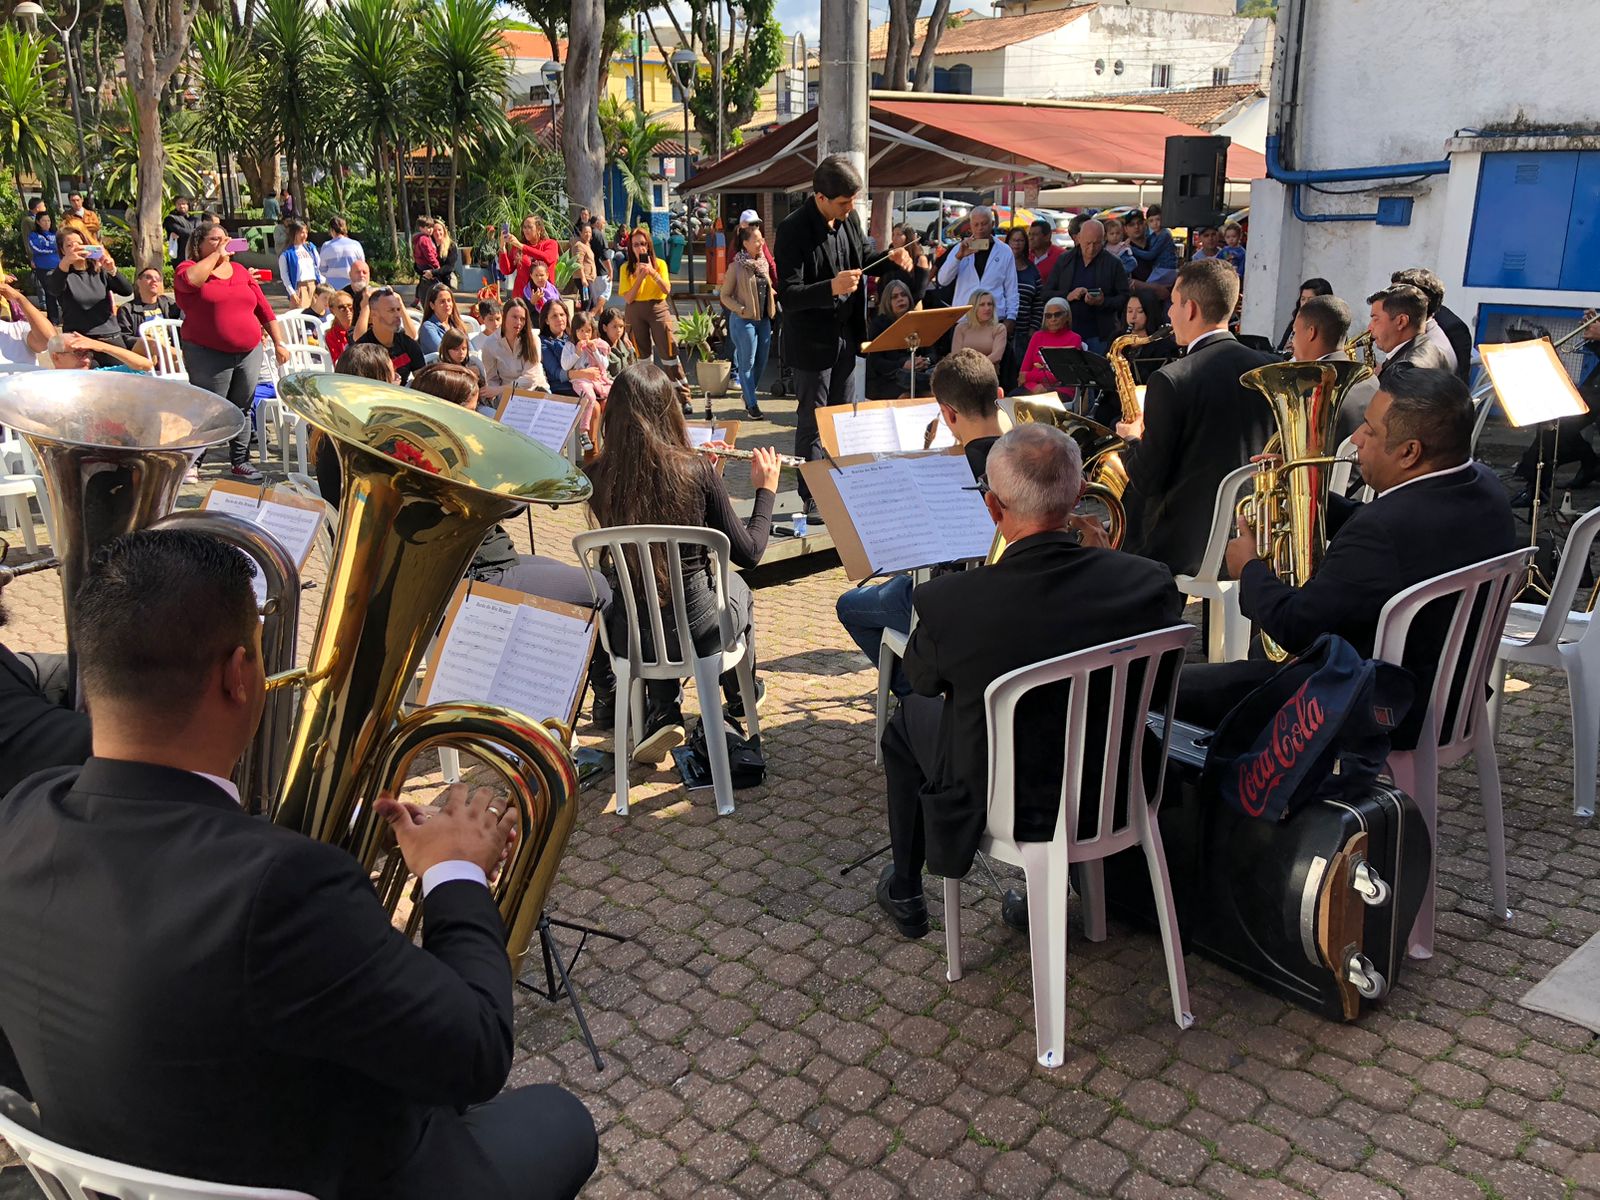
195 991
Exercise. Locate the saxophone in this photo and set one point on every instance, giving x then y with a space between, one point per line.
1130 393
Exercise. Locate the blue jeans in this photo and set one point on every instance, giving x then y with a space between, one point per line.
751 341
865 612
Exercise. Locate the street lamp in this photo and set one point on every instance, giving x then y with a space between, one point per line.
683 66
551 74
30 13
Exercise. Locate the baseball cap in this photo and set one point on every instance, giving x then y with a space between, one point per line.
749 217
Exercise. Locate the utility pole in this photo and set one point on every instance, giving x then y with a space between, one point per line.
716 64
842 90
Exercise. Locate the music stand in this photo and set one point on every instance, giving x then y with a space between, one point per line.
1082 369
1533 389
918 328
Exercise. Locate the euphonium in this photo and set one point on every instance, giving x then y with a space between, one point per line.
1289 504
1102 460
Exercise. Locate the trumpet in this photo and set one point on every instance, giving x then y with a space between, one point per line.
784 460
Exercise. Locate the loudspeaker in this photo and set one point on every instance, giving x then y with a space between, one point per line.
1192 187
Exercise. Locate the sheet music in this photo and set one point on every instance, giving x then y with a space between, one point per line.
466 665
295 527
548 422
890 515
546 656
1531 382
911 426
963 522
870 431
699 435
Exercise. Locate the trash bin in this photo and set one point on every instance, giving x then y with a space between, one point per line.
675 253
661 246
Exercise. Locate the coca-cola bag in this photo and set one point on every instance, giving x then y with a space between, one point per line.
1320 726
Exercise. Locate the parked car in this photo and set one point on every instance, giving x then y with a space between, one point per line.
924 212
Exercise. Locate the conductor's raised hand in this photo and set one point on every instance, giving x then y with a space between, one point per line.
846 282
764 469
475 828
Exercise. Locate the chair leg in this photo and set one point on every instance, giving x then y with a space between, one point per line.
630 721
1155 857
1493 816
1044 865
1497 693
886 659
746 671
450 764
1216 631
1585 736
1092 875
1237 625
1416 773
707 684
952 929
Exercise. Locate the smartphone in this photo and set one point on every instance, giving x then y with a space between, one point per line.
979 244
94 251
505 228
1096 294
238 246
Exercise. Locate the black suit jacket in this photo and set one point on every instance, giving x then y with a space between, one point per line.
1376 551
809 255
193 990
34 734
1200 423
1460 338
1046 596
1419 352
1110 276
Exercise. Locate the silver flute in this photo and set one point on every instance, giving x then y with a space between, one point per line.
784 460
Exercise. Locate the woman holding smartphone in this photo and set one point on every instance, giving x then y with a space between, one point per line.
83 283
644 285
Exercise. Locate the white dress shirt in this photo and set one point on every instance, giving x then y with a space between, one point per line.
1209 335
999 276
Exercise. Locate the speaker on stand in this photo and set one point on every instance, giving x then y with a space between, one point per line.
1194 182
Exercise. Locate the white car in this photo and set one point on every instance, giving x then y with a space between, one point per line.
921 212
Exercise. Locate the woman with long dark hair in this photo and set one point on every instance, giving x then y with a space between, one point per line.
646 474
512 358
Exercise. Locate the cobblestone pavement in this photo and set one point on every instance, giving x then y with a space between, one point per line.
767 1033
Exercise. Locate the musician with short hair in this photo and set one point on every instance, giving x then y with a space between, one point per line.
966 388
1435 511
192 990
1398 323
1444 329
1318 334
1199 421
1047 596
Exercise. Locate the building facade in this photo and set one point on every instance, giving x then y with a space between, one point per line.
1474 142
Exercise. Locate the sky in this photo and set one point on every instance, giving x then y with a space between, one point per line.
804 16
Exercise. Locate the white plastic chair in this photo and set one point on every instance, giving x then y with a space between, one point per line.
163 340
1227 629
300 329
1455 722
1553 635
289 430
63 1173
473 326
1339 474
890 651
627 548
1045 864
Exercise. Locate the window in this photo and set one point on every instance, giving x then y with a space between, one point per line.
1161 75
1099 66
1219 76
1534 224
632 90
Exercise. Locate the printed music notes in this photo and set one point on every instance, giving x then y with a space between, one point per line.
288 516
905 512
701 432
506 647
881 427
548 420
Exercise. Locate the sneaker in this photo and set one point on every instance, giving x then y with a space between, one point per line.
603 711
734 708
754 412
813 517
663 733
246 472
192 475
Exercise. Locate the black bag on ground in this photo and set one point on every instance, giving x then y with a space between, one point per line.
747 766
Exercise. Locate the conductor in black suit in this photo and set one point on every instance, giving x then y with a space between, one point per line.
1435 511
37 728
191 990
1199 421
1047 596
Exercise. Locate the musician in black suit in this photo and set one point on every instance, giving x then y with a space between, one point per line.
192 990
1435 511
822 254
1398 322
1047 596
1444 329
1199 421
37 729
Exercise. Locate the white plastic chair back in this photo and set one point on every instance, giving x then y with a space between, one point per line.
1556 614
306 357
1339 474
66 1174
303 329
473 326
1223 523
162 339
1227 631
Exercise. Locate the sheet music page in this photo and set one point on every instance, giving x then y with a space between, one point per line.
470 658
546 656
699 435
911 426
870 431
553 423
886 507
521 412
292 525
960 517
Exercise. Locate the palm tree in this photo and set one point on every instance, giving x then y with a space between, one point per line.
290 41
33 129
227 78
120 158
632 143
467 74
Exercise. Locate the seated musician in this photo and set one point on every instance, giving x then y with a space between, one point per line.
648 475
966 387
1199 421
1435 511
1318 335
37 727
1047 596
192 990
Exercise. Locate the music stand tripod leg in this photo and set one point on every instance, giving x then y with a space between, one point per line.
914 342
555 966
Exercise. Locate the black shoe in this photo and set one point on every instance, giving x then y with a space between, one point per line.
813 517
910 917
753 412
1524 499
734 708
1014 909
663 733
603 711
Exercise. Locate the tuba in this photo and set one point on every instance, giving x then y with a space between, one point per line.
1288 504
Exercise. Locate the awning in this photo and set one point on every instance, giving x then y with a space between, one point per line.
961 142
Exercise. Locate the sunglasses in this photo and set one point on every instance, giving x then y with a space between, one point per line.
1058 314
983 489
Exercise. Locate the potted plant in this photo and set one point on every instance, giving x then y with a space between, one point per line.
712 373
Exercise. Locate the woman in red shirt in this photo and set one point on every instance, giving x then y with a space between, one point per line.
1057 333
518 257
224 312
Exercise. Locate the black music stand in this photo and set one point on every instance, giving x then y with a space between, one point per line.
554 966
1083 370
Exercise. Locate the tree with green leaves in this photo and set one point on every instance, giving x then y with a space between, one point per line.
290 40
632 141
226 74
466 75
122 162
748 60
34 131
158 44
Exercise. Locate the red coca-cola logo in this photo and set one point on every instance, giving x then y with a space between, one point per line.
1293 729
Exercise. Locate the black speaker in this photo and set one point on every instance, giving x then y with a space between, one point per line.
1192 186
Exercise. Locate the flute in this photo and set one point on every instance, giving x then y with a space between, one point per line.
7 574
784 460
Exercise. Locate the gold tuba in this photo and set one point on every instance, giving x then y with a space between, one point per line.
1289 503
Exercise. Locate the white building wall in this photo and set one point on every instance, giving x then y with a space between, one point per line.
1389 81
